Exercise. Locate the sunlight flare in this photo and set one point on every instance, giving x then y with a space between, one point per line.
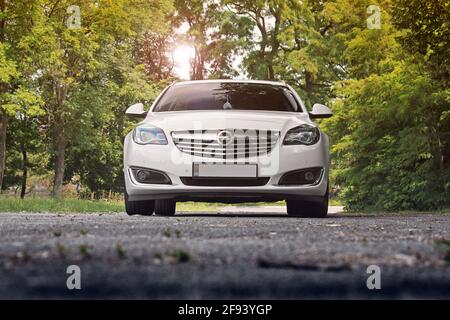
182 55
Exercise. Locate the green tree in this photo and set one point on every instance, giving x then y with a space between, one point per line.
23 134
15 22
291 42
268 17
155 52
68 57
307 60
426 36
427 33
7 72
387 130
95 158
217 35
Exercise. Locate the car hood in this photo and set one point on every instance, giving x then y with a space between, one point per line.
231 119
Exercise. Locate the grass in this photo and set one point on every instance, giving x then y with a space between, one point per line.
177 256
12 204
406 213
9 204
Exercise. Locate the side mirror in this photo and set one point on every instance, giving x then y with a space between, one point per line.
136 110
320 111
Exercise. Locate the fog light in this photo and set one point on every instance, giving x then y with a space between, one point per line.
308 176
141 175
150 176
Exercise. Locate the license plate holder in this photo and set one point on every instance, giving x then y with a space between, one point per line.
218 170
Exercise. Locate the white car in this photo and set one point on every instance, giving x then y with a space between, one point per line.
227 141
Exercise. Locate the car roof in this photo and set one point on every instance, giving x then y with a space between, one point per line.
273 83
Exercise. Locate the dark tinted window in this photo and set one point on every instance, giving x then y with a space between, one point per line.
219 96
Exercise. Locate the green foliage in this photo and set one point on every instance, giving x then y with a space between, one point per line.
8 68
386 158
390 131
95 158
427 33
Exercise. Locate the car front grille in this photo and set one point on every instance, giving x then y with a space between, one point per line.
226 143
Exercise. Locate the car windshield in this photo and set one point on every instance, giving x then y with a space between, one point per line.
227 96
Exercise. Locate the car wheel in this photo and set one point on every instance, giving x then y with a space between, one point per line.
308 209
165 207
144 207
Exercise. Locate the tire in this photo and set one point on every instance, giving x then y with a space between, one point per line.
165 207
308 209
145 207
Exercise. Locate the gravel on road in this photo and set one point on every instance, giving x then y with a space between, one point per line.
234 255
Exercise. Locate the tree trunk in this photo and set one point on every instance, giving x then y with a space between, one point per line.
3 123
24 173
440 154
60 149
59 138
275 44
309 86
198 65
270 71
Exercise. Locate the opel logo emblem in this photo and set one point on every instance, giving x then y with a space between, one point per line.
224 137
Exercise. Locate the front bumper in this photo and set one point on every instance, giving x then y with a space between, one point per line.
175 164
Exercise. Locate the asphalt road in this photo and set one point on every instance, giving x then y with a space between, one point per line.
235 254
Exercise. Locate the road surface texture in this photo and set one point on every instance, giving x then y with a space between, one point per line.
235 253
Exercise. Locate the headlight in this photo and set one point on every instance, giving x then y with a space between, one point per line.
148 134
304 134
